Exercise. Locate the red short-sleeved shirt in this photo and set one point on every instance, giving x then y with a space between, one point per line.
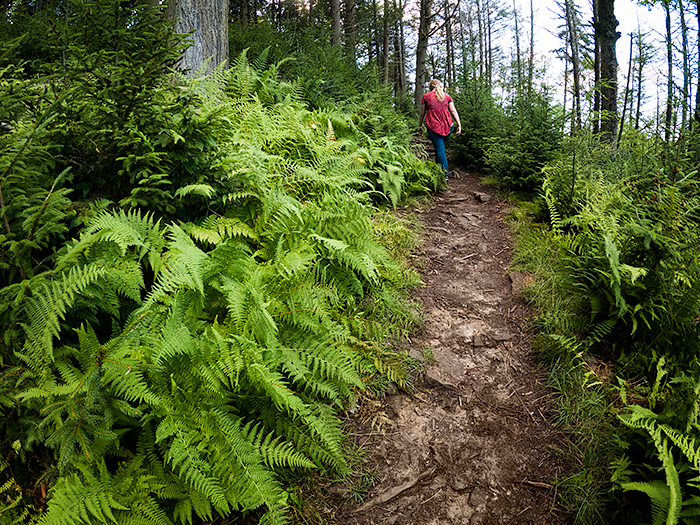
437 116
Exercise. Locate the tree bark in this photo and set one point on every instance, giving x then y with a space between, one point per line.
669 85
350 35
643 58
399 49
608 36
482 55
422 49
208 19
336 28
596 68
385 44
572 25
627 91
489 46
531 62
375 26
449 48
518 61
686 65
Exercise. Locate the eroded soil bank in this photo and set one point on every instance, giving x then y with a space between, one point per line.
470 445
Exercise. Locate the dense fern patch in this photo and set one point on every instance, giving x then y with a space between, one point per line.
190 289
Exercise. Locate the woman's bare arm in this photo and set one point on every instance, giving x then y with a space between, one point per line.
453 110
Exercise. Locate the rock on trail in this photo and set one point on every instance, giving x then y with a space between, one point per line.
470 444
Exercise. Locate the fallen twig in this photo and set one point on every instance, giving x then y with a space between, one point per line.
537 484
395 491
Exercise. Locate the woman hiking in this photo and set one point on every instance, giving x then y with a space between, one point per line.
435 108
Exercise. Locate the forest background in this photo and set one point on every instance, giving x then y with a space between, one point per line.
201 264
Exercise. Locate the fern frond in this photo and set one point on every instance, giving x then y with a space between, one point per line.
82 497
47 308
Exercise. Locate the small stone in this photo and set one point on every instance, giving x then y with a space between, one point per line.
478 340
460 483
433 375
518 282
478 497
482 197
501 336
338 490
415 353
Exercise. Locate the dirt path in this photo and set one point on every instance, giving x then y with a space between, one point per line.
470 445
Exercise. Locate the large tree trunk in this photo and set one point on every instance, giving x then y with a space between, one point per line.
209 21
422 49
608 36
336 32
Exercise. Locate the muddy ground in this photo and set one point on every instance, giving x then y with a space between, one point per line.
471 445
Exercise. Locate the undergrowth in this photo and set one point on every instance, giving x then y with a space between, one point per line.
197 276
614 274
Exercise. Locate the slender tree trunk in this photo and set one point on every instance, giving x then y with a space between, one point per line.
572 30
531 62
462 42
627 91
686 65
489 53
596 69
449 48
607 29
385 44
208 19
482 39
375 26
566 88
245 13
518 61
336 31
697 93
669 84
349 29
399 51
466 21
641 63
402 47
422 49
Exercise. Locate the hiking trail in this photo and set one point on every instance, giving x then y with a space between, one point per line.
470 444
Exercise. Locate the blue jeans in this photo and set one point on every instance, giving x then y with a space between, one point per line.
439 143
